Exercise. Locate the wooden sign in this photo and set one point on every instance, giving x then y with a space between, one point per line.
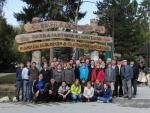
51 44
60 24
41 36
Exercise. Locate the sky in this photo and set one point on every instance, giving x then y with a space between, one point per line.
13 6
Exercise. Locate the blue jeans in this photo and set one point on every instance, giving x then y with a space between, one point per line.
18 88
105 99
26 90
76 98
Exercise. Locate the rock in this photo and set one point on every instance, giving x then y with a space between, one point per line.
4 99
14 99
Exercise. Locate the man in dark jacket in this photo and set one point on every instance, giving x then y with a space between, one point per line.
46 73
19 81
127 75
118 84
50 90
135 77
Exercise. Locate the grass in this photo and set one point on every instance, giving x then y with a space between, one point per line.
8 79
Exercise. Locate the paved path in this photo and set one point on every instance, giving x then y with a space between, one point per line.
69 108
5 74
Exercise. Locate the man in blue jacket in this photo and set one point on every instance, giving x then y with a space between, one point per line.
127 75
19 80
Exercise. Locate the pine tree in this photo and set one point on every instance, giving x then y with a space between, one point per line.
124 22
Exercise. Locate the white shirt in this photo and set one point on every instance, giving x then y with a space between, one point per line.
25 73
88 93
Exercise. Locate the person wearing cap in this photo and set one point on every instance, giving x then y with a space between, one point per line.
127 75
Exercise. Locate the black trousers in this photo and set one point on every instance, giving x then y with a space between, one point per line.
84 99
134 85
67 99
50 97
118 91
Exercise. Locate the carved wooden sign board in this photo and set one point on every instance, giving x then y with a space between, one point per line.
50 39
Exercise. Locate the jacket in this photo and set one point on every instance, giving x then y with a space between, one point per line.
84 72
68 76
46 75
100 75
107 93
110 75
19 74
88 93
57 75
127 72
76 90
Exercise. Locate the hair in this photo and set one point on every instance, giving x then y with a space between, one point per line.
34 63
108 85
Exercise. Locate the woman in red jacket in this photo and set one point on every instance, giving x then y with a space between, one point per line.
97 73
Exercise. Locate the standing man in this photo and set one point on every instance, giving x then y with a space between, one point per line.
46 73
33 76
26 85
118 84
19 81
127 75
135 77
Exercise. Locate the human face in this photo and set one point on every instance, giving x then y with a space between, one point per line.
45 66
40 77
63 84
77 82
21 65
87 61
52 81
105 86
28 64
88 85
97 65
59 67
97 81
34 65
68 65
113 62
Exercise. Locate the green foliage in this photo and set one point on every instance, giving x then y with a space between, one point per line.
64 10
7 35
124 21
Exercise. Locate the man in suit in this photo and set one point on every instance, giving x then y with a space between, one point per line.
118 84
135 77
127 75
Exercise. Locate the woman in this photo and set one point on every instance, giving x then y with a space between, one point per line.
58 74
84 71
106 94
76 91
88 94
63 92
38 89
68 75
97 73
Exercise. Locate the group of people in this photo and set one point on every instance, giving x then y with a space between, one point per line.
81 80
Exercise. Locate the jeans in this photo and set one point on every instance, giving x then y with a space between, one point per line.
105 99
18 88
26 90
76 98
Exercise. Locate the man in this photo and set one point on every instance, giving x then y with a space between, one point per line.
127 75
46 73
118 83
51 90
33 75
26 84
135 77
38 89
19 81
68 75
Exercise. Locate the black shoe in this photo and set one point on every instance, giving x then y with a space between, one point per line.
129 98
125 96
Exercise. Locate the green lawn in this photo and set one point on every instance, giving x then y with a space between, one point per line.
8 79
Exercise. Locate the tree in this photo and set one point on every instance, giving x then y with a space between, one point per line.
1 6
63 10
124 22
